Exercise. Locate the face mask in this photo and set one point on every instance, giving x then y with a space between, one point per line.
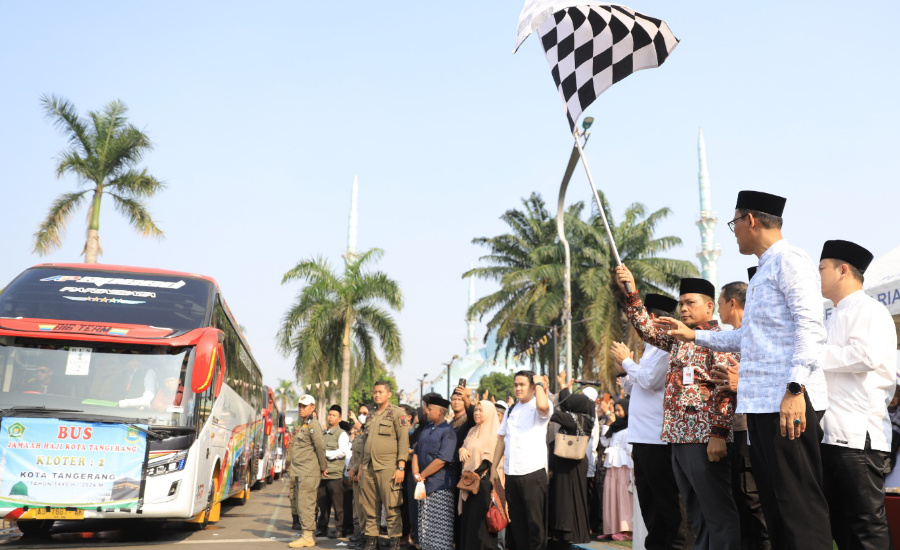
362 418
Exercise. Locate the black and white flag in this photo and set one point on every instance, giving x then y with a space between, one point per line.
592 45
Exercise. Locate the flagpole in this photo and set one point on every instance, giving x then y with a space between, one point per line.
612 242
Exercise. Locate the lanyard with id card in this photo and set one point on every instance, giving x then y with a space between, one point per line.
687 376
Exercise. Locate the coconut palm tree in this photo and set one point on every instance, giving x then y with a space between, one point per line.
103 154
332 322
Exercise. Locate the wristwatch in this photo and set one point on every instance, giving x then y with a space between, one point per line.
795 388
541 384
401 468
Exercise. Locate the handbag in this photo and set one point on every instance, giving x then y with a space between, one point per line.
469 481
496 520
573 447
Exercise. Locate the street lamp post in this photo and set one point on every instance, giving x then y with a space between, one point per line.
455 357
422 395
560 230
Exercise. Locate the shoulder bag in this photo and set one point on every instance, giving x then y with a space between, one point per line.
573 447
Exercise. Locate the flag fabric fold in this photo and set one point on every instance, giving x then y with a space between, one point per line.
592 45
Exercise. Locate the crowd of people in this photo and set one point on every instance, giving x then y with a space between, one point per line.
775 434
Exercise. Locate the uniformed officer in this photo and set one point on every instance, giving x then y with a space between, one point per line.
307 465
383 465
355 473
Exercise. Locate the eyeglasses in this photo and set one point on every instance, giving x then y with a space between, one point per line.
732 223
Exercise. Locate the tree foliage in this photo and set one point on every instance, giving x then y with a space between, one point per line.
103 155
528 262
498 385
332 327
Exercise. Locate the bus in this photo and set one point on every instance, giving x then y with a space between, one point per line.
124 392
271 454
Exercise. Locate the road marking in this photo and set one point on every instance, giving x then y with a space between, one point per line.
230 541
274 515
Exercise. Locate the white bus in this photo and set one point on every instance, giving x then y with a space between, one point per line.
124 392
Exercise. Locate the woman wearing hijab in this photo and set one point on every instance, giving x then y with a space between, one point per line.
568 501
618 502
475 455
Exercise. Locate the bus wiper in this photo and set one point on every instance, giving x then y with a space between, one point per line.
164 428
146 431
16 410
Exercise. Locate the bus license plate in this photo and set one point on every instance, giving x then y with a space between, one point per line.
59 514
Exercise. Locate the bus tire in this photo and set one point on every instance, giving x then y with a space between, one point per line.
245 495
35 527
271 477
210 500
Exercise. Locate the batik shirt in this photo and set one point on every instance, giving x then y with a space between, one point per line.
692 413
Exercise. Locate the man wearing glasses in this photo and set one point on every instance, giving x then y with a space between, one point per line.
782 383
40 382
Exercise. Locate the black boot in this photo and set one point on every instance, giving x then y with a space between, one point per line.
320 532
296 526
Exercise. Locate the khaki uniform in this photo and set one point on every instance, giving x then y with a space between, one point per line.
306 460
357 446
387 443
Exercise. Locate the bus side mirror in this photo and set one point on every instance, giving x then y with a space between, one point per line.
207 356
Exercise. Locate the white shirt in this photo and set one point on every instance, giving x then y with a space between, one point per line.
592 448
343 450
524 433
618 450
860 363
782 333
646 383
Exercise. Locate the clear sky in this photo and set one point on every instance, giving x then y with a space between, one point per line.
262 112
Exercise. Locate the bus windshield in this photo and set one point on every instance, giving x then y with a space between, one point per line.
143 382
108 297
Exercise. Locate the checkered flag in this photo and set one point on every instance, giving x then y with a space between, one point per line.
592 46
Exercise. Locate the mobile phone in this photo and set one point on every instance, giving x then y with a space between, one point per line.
462 382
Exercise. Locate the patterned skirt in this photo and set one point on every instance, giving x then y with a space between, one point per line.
436 515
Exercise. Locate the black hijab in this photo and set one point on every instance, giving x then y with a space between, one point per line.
620 423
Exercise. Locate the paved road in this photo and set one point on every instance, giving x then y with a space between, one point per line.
263 523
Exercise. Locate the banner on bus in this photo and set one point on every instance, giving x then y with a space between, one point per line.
57 463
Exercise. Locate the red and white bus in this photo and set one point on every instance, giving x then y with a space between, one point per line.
271 454
124 392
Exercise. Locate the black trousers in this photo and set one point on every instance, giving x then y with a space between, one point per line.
526 496
658 495
706 490
746 494
854 489
330 494
789 478
348 507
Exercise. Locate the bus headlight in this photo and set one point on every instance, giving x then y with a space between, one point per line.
168 464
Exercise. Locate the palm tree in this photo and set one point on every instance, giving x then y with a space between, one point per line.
104 152
285 392
604 303
334 318
528 263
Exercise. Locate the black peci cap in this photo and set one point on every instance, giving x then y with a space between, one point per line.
436 399
849 252
761 202
660 302
337 408
692 285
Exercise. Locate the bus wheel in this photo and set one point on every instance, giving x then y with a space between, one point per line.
35 527
271 477
214 488
245 495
